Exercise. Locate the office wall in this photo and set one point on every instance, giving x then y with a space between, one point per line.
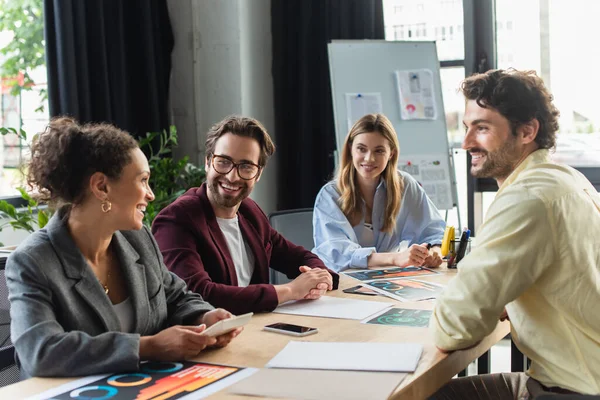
222 66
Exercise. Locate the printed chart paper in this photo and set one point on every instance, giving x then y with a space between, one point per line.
401 317
415 89
154 380
407 289
361 104
370 275
433 174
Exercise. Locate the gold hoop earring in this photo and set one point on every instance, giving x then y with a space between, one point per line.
106 206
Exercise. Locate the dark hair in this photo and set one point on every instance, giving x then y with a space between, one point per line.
519 96
241 126
67 154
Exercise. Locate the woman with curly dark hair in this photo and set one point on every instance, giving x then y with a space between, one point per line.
89 293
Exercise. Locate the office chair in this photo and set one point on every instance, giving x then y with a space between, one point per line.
9 373
295 226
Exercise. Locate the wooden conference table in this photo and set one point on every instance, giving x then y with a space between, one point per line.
255 347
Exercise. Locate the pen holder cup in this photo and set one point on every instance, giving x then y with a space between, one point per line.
453 255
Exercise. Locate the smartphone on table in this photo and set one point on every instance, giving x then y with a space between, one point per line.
290 329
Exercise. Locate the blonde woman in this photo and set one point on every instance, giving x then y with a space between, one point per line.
371 214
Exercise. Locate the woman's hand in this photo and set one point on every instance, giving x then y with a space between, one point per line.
415 255
175 343
214 316
434 259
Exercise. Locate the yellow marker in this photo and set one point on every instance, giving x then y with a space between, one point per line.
448 241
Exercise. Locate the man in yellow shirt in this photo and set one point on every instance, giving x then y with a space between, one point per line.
538 253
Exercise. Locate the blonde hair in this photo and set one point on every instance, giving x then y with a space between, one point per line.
350 200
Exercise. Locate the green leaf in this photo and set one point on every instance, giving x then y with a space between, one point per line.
22 225
30 201
8 209
43 218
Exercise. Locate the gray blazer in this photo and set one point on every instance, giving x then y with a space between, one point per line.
62 322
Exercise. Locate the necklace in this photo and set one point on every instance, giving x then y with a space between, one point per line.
105 285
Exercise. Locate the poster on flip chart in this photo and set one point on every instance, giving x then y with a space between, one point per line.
415 89
433 174
360 104
155 380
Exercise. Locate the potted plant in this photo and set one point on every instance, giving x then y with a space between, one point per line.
170 179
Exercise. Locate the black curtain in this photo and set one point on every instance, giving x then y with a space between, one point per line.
109 60
304 122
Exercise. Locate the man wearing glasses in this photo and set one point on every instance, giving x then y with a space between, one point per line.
220 241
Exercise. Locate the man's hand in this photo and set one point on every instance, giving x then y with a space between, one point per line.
504 316
311 284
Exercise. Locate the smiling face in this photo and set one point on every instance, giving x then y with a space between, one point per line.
131 193
370 155
226 191
495 150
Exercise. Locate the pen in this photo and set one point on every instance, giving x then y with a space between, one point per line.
462 246
451 262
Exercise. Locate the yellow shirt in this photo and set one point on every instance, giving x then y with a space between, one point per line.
538 254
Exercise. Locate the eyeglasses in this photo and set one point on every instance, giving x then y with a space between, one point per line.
223 165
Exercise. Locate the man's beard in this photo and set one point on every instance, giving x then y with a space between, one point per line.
228 201
499 163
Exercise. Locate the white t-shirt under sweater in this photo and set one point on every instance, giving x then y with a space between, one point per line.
125 314
241 254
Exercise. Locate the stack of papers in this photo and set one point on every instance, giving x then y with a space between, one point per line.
319 385
352 371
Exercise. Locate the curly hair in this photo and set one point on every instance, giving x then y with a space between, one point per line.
241 126
518 96
351 199
67 154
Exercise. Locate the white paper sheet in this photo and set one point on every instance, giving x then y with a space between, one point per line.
432 173
323 385
415 89
333 307
390 357
361 104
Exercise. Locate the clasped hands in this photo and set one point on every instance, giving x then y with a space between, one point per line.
311 284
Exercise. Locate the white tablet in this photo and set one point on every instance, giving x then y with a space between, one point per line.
227 325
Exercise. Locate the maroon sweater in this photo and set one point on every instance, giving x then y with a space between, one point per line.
195 249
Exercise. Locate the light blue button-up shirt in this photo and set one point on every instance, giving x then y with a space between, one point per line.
337 241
